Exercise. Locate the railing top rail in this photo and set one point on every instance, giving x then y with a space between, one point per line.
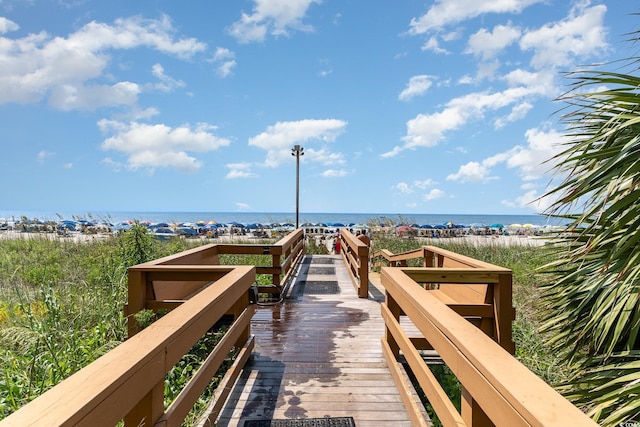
472 262
497 376
290 238
390 256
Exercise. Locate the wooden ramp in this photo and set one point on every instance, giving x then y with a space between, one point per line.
318 355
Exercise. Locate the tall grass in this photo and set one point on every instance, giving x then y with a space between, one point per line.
61 306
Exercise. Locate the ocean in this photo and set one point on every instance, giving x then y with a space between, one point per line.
282 217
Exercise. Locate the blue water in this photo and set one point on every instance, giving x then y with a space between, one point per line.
281 217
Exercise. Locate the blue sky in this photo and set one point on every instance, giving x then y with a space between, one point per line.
442 106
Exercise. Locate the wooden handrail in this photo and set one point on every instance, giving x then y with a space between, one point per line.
128 382
355 254
497 389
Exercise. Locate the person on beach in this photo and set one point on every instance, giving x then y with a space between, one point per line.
337 243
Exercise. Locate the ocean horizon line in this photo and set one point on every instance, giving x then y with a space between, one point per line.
245 217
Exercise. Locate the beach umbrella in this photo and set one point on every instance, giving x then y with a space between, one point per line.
496 225
212 222
527 225
404 228
515 226
428 226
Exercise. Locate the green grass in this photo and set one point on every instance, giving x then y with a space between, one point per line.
61 306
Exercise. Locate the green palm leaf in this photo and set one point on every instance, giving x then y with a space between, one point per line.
593 300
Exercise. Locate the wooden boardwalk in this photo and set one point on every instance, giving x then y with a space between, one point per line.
318 354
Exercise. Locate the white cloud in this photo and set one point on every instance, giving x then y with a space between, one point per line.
427 130
38 66
167 83
424 183
278 139
275 17
242 206
446 12
581 35
72 97
158 146
325 157
225 61
44 155
417 86
434 194
6 25
240 170
403 188
517 112
334 173
433 45
531 160
471 172
488 45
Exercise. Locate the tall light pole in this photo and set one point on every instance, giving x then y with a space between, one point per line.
297 151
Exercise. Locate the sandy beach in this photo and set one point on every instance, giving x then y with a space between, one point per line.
478 240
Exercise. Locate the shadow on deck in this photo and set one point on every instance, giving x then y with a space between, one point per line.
317 355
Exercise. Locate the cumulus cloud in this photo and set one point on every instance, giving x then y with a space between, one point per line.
433 45
578 36
151 146
334 173
417 86
488 45
167 83
225 61
43 156
447 12
277 140
6 25
434 195
427 130
403 188
530 161
274 17
471 172
240 170
65 70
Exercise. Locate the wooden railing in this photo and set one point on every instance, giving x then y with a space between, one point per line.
478 291
497 390
128 382
355 254
284 254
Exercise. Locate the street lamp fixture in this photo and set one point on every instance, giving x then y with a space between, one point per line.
297 151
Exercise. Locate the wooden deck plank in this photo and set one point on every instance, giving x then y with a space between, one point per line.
318 355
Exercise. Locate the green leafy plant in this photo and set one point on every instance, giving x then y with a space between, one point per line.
593 297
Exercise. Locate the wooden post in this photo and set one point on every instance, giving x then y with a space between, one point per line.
395 309
137 294
149 409
276 263
363 273
472 413
503 312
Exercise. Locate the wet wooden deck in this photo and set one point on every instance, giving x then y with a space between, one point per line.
318 354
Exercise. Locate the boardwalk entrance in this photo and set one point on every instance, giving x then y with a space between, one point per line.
318 355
